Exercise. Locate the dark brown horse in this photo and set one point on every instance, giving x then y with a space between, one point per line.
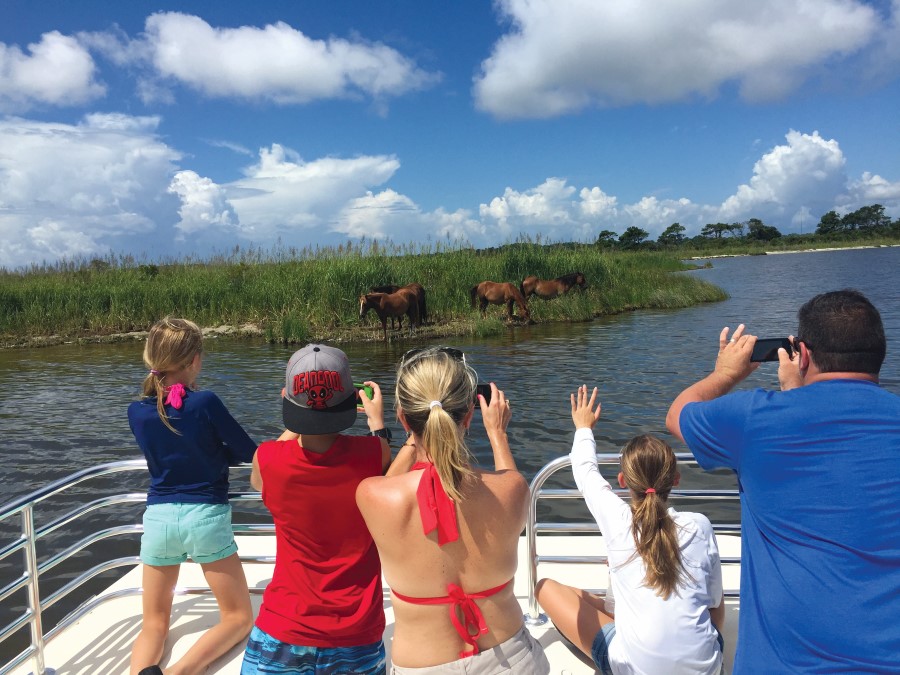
420 297
550 288
497 293
404 301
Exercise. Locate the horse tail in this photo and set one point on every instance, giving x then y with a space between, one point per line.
522 287
423 315
473 294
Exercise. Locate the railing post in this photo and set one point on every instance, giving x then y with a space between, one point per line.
34 593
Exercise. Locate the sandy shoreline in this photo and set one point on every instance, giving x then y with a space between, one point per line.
799 250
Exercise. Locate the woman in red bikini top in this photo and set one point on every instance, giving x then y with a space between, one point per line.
447 532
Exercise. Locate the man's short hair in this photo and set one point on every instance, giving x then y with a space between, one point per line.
843 331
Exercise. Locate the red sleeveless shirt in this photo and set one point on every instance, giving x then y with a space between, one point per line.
326 588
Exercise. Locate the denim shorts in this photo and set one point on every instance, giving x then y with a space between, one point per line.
172 532
266 655
600 647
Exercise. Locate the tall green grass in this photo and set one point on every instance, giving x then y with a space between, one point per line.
297 296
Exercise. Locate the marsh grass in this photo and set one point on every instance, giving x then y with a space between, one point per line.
314 294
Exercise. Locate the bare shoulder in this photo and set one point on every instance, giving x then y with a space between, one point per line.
377 492
507 484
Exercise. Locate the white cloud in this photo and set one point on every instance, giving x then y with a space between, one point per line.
560 57
282 195
808 171
277 63
203 204
58 71
110 183
79 189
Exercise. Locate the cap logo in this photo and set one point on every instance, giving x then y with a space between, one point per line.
318 385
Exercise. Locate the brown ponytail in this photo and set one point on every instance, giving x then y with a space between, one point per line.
649 469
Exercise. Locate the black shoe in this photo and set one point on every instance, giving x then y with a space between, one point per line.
151 670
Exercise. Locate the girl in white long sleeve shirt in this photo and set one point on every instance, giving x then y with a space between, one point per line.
664 566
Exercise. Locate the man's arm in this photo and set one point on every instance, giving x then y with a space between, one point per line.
732 366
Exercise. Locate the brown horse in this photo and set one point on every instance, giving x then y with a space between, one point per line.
550 288
404 301
420 297
498 293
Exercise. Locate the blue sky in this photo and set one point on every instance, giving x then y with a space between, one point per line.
166 128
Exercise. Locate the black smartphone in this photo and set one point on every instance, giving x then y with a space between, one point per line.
766 349
484 390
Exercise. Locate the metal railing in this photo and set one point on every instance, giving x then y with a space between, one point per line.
35 569
534 617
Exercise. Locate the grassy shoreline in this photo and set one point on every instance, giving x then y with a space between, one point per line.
315 297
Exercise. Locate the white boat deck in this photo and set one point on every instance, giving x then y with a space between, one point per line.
100 643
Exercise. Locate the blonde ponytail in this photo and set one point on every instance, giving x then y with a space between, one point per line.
436 391
171 347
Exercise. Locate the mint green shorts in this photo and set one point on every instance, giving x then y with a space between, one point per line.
172 532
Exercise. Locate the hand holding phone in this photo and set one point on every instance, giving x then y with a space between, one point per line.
369 393
766 349
484 390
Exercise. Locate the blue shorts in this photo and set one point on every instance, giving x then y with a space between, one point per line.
267 656
600 647
603 638
172 532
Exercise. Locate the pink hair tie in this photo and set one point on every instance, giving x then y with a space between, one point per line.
649 491
174 395
154 371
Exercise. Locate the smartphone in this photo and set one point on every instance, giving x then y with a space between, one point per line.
369 392
484 390
766 349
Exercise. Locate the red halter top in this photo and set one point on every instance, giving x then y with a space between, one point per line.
439 512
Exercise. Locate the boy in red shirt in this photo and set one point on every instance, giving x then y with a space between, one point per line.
323 609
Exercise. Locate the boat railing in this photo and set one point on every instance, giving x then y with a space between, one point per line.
534 616
34 569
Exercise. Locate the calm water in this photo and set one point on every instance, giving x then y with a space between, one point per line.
63 408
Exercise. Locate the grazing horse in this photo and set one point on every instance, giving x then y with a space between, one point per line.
550 288
498 293
420 297
404 301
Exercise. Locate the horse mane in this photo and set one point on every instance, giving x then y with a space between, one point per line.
386 288
569 278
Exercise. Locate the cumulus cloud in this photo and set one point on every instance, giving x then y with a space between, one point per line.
561 57
56 71
110 183
808 171
80 189
276 63
203 204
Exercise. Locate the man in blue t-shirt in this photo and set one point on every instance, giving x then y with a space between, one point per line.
818 468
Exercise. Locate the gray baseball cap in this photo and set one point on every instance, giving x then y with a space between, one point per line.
319 397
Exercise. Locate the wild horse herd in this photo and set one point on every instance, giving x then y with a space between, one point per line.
392 301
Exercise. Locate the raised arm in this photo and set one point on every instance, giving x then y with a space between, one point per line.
496 416
733 365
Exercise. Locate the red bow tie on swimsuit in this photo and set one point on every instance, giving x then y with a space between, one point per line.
437 509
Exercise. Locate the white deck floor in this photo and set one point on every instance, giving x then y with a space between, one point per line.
100 643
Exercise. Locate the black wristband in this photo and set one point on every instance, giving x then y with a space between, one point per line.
383 433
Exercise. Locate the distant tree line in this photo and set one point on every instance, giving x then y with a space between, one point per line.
866 222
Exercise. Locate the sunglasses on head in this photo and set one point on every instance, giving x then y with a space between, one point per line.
449 351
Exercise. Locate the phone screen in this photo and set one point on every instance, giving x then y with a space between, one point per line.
766 349
484 390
